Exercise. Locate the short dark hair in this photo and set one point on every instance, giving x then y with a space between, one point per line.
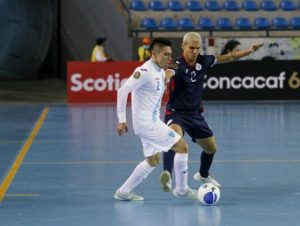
160 42
100 40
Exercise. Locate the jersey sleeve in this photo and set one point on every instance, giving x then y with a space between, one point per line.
121 102
136 80
212 60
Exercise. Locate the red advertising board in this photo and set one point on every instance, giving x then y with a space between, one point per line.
263 80
97 82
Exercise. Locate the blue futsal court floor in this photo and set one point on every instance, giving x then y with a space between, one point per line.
61 164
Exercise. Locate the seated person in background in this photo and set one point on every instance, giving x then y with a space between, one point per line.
143 50
98 54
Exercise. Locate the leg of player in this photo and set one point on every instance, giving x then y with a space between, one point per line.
168 163
140 173
209 147
166 174
181 171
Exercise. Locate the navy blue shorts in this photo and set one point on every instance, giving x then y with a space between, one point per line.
193 124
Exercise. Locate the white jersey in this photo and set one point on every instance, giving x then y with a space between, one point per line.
147 87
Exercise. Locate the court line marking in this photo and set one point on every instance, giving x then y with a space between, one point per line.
21 141
134 162
20 157
22 195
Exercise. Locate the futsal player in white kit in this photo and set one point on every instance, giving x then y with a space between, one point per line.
147 85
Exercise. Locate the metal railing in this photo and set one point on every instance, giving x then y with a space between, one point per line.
127 10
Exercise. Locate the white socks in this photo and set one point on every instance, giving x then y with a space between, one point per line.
141 172
181 174
143 169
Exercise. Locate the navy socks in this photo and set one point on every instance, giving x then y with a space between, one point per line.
205 163
168 160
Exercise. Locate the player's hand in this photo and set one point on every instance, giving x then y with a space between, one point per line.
169 74
122 128
256 47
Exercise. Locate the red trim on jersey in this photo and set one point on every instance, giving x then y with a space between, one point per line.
172 85
168 112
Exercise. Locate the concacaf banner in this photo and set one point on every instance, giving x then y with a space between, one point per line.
241 80
254 80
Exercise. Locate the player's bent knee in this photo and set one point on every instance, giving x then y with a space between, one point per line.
153 160
211 150
181 147
208 145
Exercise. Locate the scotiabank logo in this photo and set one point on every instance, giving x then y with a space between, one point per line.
110 83
97 82
247 82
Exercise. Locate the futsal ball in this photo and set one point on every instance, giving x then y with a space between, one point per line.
208 194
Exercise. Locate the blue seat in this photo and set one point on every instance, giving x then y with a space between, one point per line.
149 23
212 5
295 22
261 23
168 23
186 23
175 5
231 5
224 23
193 5
243 23
268 5
137 5
249 5
287 5
157 5
280 22
206 23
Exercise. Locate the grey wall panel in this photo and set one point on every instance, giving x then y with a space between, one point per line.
83 21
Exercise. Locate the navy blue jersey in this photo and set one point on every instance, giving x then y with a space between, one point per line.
185 88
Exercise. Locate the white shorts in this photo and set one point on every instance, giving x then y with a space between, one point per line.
157 138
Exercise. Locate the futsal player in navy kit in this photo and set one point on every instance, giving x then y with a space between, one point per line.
184 108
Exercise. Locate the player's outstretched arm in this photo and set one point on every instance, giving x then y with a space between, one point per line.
235 55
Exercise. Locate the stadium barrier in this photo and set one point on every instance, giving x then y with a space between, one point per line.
241 80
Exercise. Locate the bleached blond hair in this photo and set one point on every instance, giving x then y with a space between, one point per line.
191 37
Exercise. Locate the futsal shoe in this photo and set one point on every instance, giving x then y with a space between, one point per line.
190 194
130 196
166 181
208 179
